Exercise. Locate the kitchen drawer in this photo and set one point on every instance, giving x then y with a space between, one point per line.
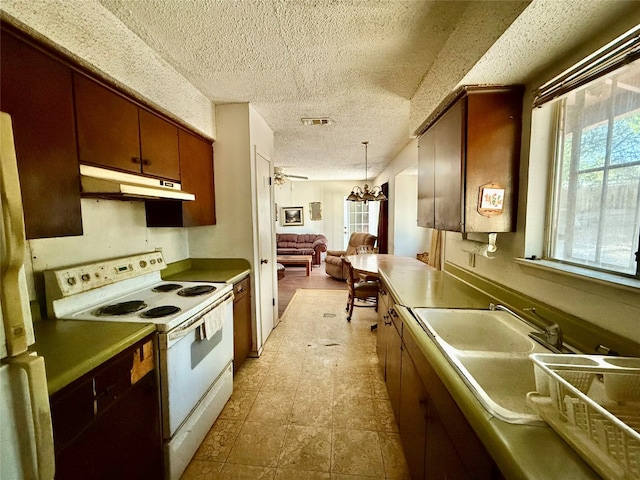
241 289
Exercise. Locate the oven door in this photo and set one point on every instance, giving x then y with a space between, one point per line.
190 363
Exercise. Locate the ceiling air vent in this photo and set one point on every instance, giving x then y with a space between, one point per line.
317 121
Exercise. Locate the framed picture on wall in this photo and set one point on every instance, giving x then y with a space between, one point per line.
292 216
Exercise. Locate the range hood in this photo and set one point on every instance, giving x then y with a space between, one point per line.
104 183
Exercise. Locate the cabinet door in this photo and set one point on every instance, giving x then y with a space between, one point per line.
494 122
413 417
383 330
37 91
426 179
448 168
108 133
452 445
242 333
196 160
394 364
441 458
158 146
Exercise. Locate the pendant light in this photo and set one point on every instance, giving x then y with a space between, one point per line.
366 194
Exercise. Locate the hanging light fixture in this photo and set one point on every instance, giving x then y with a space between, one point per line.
366 194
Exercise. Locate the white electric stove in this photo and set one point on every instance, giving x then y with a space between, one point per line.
194 340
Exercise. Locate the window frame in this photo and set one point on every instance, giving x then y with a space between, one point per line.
541 142
553 192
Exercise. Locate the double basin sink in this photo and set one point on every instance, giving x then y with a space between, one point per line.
490 350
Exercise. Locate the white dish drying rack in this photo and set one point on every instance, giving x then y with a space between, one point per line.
593 402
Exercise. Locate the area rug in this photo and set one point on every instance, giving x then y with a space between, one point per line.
318 318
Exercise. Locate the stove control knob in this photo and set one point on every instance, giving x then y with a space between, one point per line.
152 261
86 277
159 259
71 280
143 264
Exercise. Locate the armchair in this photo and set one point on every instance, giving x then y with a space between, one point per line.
333 260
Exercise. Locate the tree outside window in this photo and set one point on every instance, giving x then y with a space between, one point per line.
596 197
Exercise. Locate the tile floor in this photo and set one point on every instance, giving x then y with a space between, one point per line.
313 406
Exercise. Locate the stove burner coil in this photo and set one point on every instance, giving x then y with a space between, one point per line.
197 290
167 287
122 308
162 311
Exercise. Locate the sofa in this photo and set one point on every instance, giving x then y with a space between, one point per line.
333 260
301 244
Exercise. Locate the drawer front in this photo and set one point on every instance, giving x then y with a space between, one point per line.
241 289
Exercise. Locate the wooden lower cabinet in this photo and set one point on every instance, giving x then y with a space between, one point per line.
242 333
106 424
383 331
413 417
438 441
394 368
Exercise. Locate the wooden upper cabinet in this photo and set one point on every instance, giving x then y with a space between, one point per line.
473 145
196 158
158 146
114 132
196 171
107 127
448 174
36 90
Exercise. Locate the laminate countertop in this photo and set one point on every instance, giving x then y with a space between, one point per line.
520 451
228 270
72 348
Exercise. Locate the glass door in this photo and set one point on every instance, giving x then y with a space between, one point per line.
360 217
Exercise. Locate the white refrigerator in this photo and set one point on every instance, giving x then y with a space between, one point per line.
26 435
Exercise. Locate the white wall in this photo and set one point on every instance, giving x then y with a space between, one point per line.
330 194
405 237
232 236
408 238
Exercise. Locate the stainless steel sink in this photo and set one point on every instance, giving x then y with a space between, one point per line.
490 350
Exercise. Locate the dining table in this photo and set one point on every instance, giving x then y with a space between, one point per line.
370 263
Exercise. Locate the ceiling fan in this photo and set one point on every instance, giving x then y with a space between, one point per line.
279 177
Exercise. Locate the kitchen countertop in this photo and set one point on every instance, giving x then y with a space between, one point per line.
520 451
72 348
228 270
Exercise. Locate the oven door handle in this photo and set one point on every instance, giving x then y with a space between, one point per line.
181 332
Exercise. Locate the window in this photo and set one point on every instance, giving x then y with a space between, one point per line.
360 217
595 204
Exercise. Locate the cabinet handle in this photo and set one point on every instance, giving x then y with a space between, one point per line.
393 313
240 290
146 161
135 160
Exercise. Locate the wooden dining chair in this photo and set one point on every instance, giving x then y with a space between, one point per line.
363 291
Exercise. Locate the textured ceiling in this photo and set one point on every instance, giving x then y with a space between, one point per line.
377 68
357 62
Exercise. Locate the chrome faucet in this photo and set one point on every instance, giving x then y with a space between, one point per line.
551 337
552 334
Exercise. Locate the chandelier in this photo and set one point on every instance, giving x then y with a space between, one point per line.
365 194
